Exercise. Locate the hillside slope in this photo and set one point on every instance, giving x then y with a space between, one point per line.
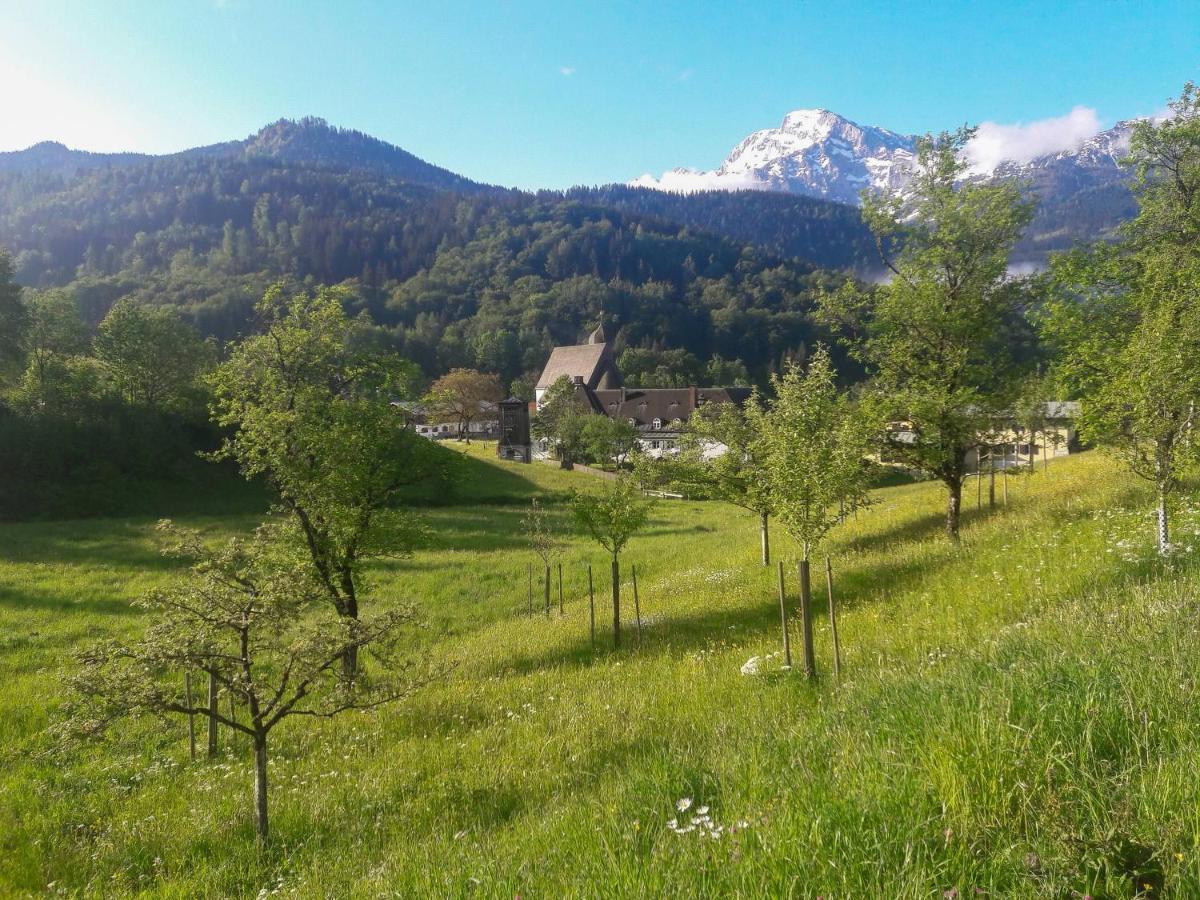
1017 717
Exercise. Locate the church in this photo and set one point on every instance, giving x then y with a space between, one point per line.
658 414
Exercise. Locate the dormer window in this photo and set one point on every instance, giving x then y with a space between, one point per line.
633 422
658 424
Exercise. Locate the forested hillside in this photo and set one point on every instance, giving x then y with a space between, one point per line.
485 278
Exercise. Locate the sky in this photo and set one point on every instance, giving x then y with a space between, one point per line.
550 94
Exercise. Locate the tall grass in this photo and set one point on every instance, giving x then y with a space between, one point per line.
1017 716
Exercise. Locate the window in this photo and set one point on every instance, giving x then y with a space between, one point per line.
657 424
654 445
633 422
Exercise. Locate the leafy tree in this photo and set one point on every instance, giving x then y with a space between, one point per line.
13 316
55 332
311 412
611 518
736 475
813 444
1127 320
936 338
152 356
463 396
560 420
241 615
604 440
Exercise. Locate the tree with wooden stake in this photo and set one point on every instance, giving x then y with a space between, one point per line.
938 339
308 404
1126 320
814 442
735 476
251 614
611 517
544 543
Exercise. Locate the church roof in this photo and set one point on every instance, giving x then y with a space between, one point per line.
582 360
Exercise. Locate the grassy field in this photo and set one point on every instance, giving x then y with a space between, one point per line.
1017 716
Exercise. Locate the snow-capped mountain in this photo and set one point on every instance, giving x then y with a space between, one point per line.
821 154
818 152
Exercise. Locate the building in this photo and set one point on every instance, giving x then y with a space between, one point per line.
658 414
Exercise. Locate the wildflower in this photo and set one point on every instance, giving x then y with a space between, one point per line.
683 804
702 811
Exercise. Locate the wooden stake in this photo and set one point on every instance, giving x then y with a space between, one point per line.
837 647
546 584
592 606
212 716
806 632
560 597
531 590
978 483
637 606
1004 480
991 480
187 690
787 640
616 602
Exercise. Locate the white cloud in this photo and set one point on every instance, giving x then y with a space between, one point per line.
994 143
568 71
689 181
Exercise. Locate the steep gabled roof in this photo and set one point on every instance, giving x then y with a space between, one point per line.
586 361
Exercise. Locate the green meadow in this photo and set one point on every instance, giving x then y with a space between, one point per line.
1017 716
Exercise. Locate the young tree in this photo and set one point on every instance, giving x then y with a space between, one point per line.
239 615
463 396
13 317
738 475
560 420
936 338
311 412
611 517
542 540
1127 320
813 443
604 440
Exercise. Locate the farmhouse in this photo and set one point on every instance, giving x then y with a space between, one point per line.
658 414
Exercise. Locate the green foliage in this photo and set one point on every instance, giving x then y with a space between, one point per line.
937 339
312 412
1125 319
13 317
812 443
238 616
613 515
151 355
606 441
560 419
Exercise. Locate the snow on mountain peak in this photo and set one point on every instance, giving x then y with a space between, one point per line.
821 154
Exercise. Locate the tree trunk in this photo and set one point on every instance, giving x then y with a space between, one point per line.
991 481
560 594
763 530
806 629
547 591
260 788
953 507
212 716
1164 534
616 595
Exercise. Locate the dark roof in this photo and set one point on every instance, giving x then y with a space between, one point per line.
591 362
644 405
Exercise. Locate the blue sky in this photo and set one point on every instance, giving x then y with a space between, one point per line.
548 94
